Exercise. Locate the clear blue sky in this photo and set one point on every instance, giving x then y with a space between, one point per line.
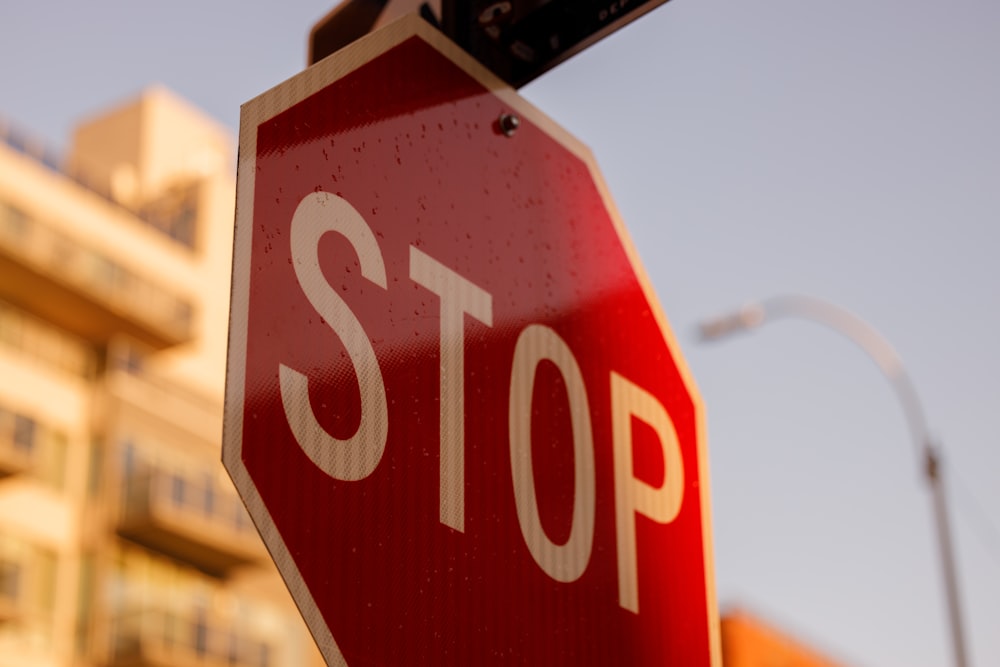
848 150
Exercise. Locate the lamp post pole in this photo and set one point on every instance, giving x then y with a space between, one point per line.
843 321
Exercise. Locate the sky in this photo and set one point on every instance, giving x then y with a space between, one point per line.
848 151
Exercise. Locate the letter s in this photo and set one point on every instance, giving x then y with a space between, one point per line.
358 456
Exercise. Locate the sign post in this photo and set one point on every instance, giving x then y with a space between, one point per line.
454 407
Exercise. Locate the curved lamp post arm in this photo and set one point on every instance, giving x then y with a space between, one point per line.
843 321
881 352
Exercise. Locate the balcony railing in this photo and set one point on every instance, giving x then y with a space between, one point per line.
33 338
82 289
161 638
174 223
201 523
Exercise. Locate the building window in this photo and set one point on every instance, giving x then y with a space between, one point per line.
24 433
43 446
84 605
200 632
178 489
54 466
233 654
264 655
128 355
241 518
208 498
128 458
182 313
95 463
10 581
27 583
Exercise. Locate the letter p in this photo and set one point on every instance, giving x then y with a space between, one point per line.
634 496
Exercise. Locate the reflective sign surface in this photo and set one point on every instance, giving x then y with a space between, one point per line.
453 406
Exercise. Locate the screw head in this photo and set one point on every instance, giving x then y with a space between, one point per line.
509 124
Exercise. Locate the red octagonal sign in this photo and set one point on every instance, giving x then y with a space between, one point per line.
454 407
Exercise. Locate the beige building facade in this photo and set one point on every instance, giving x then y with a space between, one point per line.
122 541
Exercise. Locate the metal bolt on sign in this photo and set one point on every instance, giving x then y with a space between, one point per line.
509 124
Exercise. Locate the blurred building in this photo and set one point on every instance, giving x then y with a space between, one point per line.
748 641
122 541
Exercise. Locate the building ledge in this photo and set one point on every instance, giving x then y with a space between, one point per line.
206 528
83 291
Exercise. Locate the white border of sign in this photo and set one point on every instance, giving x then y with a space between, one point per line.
284 96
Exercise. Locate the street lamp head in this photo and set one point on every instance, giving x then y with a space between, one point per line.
748 317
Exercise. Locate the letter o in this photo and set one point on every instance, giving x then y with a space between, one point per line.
566 562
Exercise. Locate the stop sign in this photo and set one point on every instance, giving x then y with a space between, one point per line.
454 408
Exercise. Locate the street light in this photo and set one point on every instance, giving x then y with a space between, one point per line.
753 315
